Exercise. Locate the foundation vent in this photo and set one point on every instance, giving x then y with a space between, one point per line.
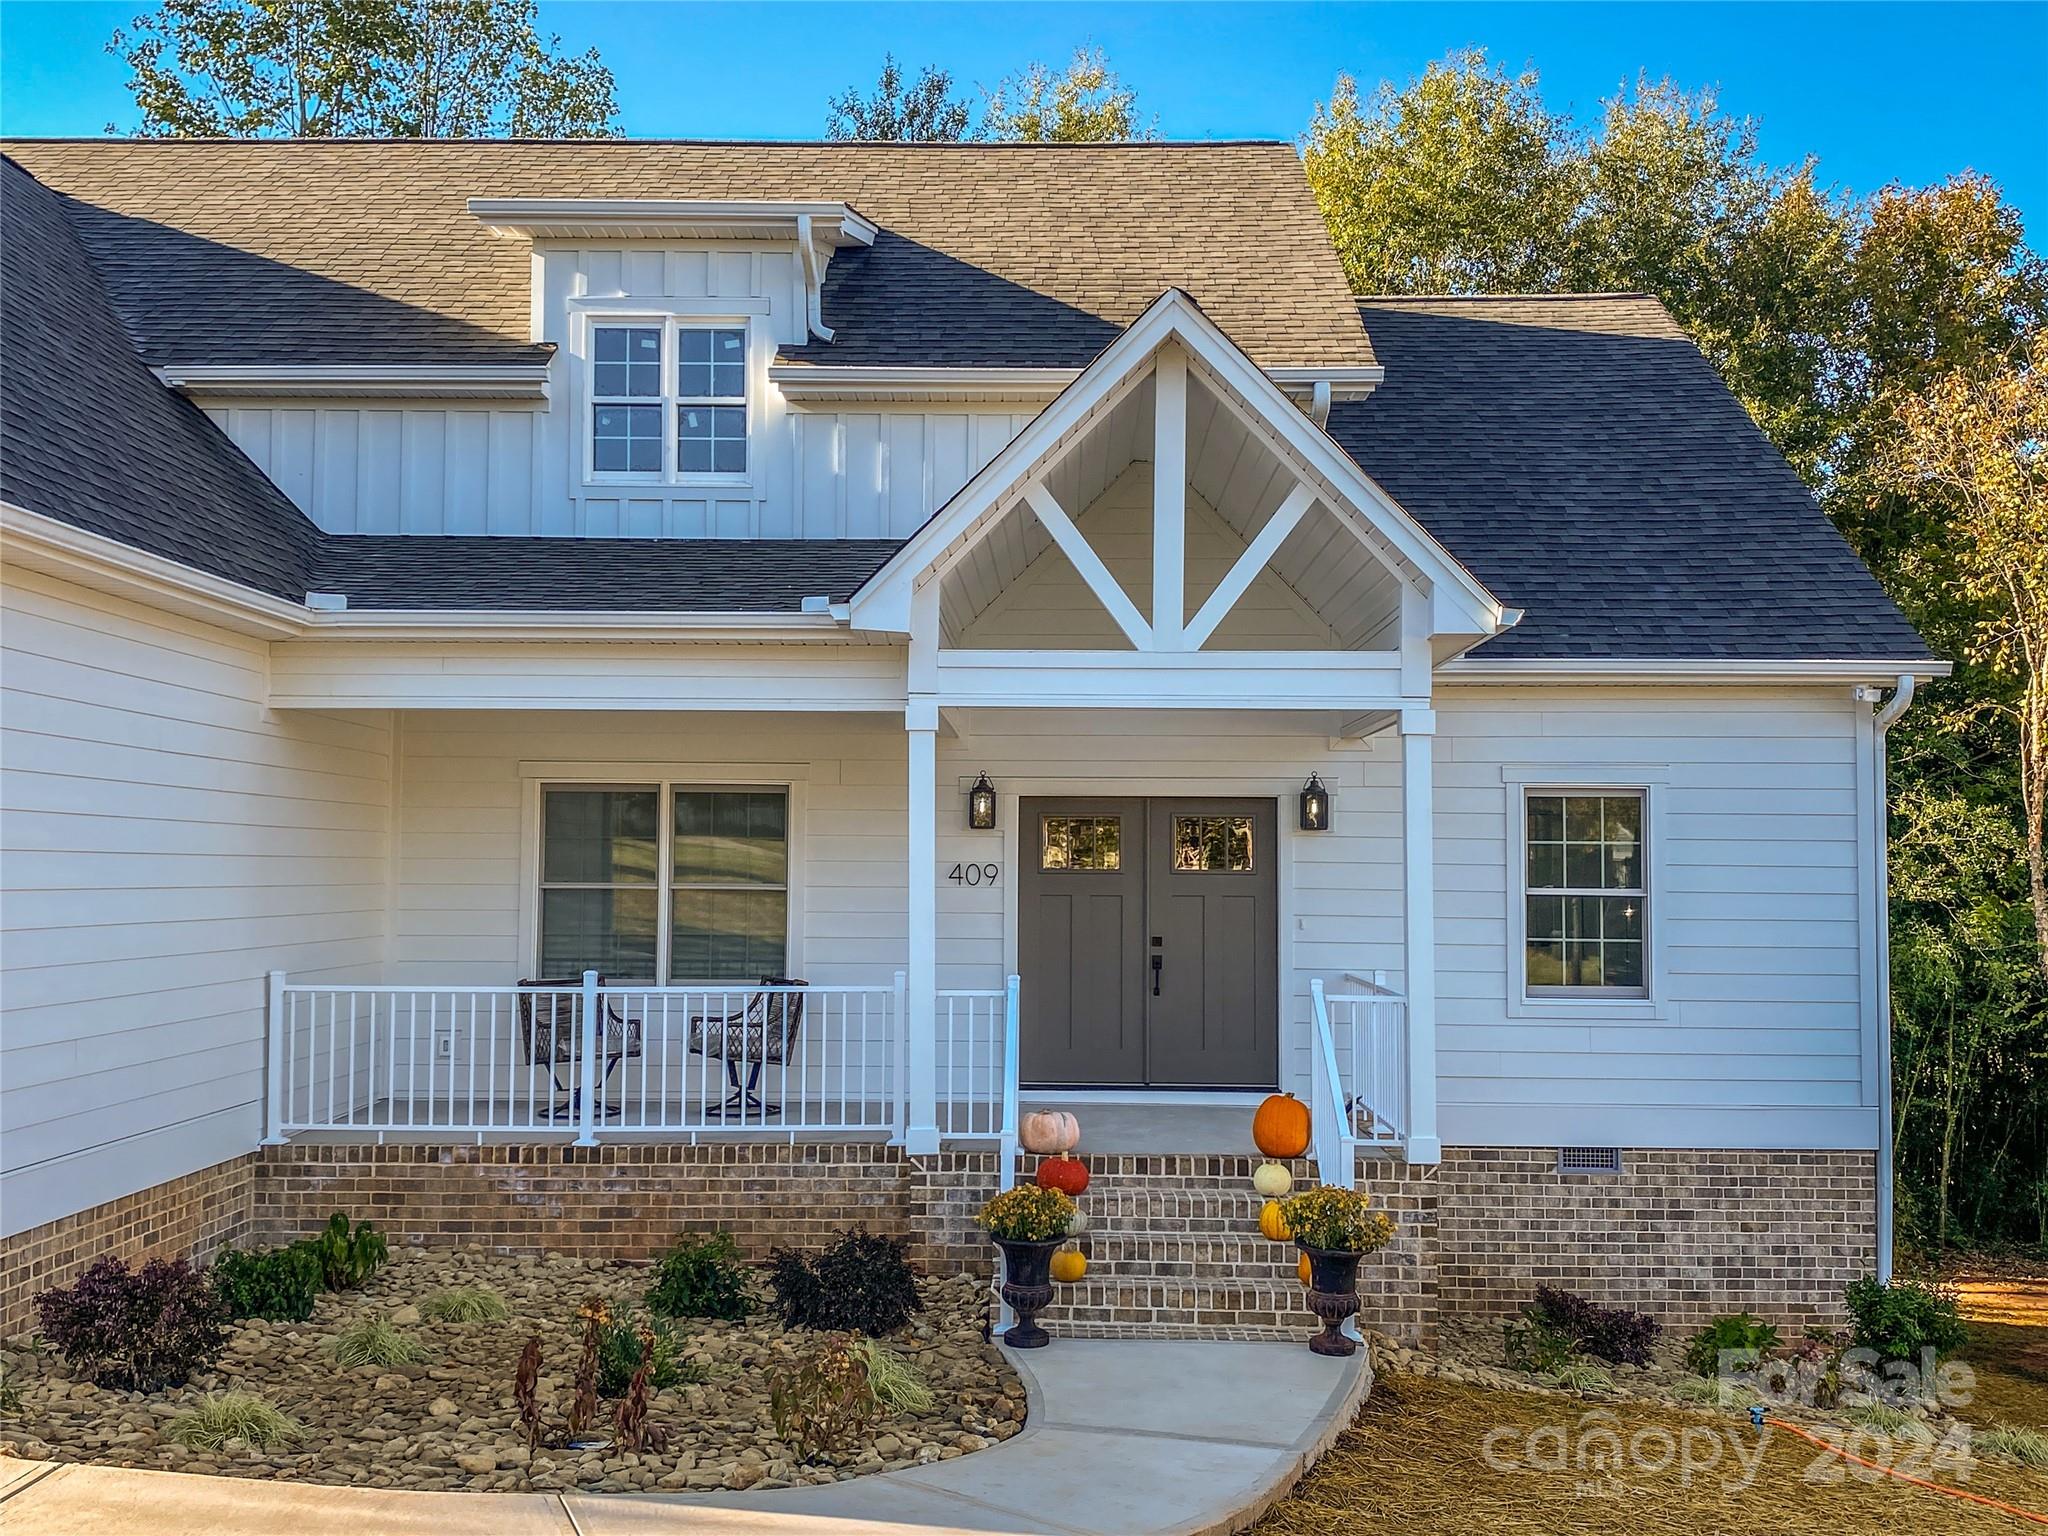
1589 1159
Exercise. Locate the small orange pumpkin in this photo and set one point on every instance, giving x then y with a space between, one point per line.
1069 1265
1068 1175
1308 1275
1280 1128
1049 1131
1273 1224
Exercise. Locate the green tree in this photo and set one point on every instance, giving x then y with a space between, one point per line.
925 112
1084 103
359 68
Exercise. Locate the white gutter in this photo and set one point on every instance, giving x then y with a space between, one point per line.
349 381
1887 714
1506 671
1313 386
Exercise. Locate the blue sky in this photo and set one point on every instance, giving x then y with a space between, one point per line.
1879 92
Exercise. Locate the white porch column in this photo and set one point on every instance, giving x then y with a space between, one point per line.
921 1133
1418 841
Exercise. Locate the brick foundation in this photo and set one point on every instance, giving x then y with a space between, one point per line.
189 1217
1172 1240
1685 1236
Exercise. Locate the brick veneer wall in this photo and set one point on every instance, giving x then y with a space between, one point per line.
189 1217
1684 1235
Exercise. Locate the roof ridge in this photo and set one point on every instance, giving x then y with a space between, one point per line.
365 141
1481 298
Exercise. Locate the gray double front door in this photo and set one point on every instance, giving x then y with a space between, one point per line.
1149 943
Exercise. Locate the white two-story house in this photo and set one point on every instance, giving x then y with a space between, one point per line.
541 679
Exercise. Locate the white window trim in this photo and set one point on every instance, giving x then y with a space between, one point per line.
1652 784
541 777
589 315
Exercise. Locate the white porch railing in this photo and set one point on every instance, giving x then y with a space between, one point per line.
1359 1058
695 1060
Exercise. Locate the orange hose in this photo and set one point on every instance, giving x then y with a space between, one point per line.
1918 1482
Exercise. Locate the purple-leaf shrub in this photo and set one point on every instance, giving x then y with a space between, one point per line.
137 1329
1614 1334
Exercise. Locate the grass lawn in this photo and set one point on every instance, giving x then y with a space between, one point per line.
1432 1458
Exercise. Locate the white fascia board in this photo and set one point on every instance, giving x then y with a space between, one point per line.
883 602
270 381
569 624
809 381
1351 382
1687 670
659 218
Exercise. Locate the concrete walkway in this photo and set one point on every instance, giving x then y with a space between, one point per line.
1124 1438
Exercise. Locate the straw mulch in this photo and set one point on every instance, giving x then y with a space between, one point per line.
1414 1465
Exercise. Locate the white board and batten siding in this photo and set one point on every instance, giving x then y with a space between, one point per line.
516 468
167 840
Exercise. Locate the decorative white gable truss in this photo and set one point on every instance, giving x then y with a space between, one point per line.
1172 657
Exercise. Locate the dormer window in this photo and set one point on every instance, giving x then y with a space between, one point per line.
668 400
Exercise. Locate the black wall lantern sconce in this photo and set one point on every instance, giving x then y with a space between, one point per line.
1315 805
981 806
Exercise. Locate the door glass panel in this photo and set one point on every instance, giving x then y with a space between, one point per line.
1206 843
1080 842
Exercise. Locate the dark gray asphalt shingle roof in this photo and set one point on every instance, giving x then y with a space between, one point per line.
88 435
1577 453
1582 458
616 575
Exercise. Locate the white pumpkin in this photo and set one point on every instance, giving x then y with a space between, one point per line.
1049 1132
1272 1180
1079 1222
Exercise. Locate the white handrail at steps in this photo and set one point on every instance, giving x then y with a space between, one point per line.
1329 1110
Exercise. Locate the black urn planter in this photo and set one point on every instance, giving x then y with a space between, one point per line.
1332 1296
1027 1287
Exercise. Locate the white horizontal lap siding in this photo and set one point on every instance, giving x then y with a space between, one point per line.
466 853
164 841
1758 1038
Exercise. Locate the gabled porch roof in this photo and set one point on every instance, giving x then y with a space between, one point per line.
1173 339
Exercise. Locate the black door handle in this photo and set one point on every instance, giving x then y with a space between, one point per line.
1158 961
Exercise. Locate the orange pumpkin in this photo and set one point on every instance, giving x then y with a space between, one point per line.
1069 1265
1273 1224
1280 1128
1068 1175
1307 1274
1049 1131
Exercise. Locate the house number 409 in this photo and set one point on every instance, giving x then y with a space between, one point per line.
974 874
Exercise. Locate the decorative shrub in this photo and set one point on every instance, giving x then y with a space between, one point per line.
625 1340
1738 1333
221 1417
139 1329
1537 1348
860 1284
465 1304
822 1402
897 1384
1027 1214
1578 1376
2028 1447
1617 1335
1337 1219
348 1255
279 1285
1899 1320
701 1277
375 1342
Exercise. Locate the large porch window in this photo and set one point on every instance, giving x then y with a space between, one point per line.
664 883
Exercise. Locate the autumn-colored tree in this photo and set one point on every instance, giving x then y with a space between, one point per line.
436 69
1084 103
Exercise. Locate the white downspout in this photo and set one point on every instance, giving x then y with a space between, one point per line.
1887 713
814 279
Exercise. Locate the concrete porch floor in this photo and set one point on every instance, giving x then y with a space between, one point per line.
1123 1438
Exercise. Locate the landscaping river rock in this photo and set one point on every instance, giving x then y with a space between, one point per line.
450 1421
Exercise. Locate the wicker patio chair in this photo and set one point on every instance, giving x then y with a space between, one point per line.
549 1027
762 1034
